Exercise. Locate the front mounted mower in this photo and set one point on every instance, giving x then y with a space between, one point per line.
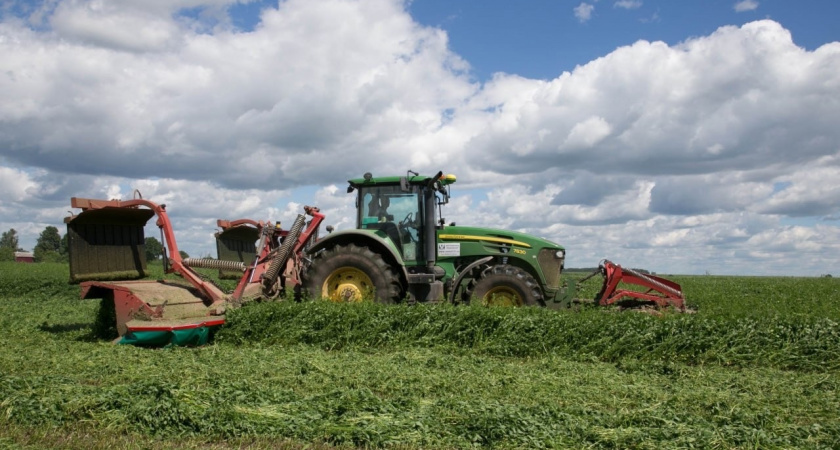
107 255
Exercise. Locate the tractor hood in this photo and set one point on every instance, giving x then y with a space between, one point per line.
514 238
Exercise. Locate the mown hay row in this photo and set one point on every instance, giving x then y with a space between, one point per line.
785 342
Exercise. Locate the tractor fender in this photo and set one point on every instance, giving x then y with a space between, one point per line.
367 238
457 283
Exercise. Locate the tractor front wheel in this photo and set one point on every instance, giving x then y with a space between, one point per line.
349 273
506 285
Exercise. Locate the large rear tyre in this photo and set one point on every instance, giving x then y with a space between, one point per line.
506 285
349 273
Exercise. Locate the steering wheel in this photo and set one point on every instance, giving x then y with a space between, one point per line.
407 222
404 227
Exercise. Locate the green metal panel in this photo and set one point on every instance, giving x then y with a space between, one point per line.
530 252
236 244
107 244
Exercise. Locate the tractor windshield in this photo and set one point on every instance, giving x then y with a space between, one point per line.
395 212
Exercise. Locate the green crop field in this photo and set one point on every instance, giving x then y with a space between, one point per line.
757 366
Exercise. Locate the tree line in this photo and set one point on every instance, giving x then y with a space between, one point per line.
52 247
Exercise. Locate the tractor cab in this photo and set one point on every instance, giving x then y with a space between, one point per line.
402 210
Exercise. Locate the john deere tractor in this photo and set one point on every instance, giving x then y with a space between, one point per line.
401 250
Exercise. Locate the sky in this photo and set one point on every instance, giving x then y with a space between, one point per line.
690 137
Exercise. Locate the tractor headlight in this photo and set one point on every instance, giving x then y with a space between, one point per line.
560 254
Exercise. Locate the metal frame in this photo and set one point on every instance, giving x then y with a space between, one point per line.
660 291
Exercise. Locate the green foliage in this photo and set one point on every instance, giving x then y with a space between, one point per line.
63 247
9 240
50 256
28 283
7 254
320 375
48 246
154 249
796 342
9 245
49 240
105 324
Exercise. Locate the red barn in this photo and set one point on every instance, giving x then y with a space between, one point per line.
24 257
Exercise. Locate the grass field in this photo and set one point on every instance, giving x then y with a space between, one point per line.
758 366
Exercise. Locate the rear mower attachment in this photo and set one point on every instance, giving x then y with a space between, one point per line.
661 293
107 243
237 242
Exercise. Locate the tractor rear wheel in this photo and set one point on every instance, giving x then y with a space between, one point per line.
506 285
349 273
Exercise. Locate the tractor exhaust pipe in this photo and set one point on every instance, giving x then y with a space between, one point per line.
430 229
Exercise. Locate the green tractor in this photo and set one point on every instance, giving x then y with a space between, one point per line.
401 250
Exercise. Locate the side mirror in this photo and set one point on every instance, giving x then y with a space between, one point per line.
445 192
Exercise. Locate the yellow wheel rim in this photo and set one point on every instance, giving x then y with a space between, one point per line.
502 296
347 285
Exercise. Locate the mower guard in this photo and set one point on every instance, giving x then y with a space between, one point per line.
237 241
107 244
156 313
191 335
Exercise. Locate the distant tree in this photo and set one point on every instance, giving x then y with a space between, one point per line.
64 247
9 240
49 239
153 249
184 255
48 246
48 256
7 254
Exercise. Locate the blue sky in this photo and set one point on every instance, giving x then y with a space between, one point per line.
685 136
543 38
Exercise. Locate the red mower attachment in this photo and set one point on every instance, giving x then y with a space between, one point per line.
107 256
661 292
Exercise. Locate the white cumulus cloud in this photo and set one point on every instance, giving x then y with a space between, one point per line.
686 157
628 4
746 5
583 12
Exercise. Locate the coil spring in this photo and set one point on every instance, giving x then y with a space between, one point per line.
270 275
208 263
